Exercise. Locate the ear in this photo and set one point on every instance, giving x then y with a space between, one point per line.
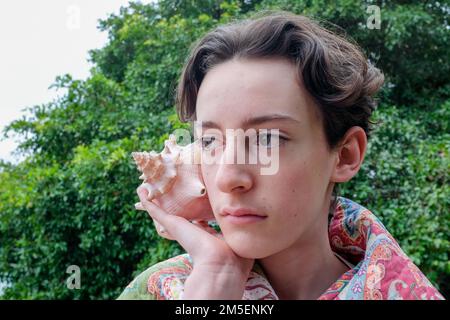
350 155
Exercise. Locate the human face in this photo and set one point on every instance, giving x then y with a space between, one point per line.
297 195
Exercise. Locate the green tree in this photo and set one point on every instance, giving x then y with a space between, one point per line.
411 46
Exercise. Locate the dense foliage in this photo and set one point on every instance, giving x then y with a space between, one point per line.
70 202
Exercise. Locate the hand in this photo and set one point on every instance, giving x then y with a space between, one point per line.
200 211
210 253
162 232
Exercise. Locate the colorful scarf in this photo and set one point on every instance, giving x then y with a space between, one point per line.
381 269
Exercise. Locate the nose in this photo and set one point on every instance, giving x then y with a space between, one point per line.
233 177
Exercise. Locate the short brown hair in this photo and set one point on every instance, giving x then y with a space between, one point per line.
334 70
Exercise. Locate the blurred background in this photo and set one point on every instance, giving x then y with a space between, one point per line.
84 83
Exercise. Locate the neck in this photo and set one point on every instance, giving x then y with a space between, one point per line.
306 269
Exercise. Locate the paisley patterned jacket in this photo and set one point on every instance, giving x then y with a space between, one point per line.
379 269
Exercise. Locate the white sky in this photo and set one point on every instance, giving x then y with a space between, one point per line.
39 40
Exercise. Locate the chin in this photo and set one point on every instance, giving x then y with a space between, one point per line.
249 249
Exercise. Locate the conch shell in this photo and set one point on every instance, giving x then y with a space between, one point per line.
174 181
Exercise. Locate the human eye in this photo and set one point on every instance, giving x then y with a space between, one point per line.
207 142
268 139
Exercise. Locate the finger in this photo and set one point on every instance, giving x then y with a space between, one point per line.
162 231
159 228
187 234
204 224
139 206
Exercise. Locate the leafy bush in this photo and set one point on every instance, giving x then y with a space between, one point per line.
404 181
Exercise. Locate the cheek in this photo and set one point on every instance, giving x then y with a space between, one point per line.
295 179
306 171
296 188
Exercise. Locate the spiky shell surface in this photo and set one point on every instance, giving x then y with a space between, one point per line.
173 180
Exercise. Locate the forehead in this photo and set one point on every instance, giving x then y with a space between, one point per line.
237 90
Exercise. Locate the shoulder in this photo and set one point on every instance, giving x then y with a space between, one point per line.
162 281
383 270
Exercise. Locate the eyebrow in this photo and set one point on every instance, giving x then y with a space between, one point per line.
253 120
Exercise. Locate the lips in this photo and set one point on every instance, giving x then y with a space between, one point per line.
240 212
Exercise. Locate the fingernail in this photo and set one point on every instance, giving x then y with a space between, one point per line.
139 206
